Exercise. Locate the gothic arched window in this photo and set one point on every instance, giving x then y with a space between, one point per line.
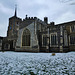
73 28
26 38
44 40
72 40
53 39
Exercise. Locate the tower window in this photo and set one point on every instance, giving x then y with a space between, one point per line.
10 27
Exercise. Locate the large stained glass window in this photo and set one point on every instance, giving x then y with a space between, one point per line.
26 38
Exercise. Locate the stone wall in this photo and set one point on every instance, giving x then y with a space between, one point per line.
34 47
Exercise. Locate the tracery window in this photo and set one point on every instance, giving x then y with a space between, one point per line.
73 28
26 38
53 39
72 40
44 40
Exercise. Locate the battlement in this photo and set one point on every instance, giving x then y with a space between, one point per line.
42 22
30 18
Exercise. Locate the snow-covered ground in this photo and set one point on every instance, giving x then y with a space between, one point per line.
19 63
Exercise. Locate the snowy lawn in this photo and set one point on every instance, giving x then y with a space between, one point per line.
19 63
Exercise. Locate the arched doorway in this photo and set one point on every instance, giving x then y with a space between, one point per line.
26 37
7 46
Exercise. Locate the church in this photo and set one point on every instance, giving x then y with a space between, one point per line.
34 35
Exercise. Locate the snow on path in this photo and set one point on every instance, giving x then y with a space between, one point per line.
19 63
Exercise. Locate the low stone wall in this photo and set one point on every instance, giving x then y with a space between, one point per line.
66 49
27 50
72 48
54 49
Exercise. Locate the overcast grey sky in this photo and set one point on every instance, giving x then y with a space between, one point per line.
56 10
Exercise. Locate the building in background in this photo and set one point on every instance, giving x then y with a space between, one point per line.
34 35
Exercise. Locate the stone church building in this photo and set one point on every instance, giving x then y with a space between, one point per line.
34 35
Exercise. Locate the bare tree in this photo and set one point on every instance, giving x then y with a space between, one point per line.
71 2
64 1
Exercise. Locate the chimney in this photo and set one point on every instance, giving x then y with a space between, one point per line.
46 20
52 23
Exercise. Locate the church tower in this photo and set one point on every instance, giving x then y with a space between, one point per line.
14 23
15 11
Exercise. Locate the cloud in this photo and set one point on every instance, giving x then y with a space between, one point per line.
66 17
3 30
54 9
72 3
5 13
38 7
4 9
